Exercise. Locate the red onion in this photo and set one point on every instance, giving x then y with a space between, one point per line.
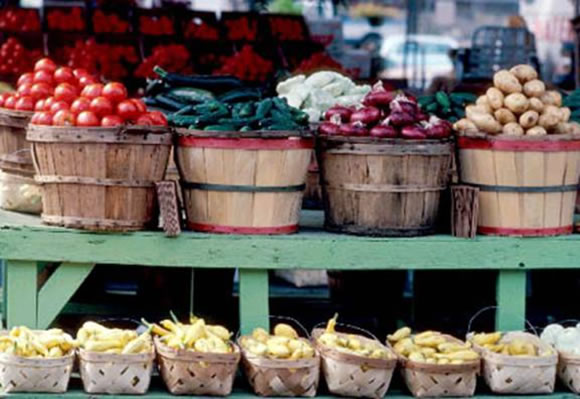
421 117
415 132
343 112
366 115
354 129
329 129
437 128
402 103
401 118
380 99
384 131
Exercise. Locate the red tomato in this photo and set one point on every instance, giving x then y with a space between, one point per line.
25 78
10 102
24 89
93 90
115 91
80 104
127 110
144 120
45 64
87 118
101 106
86 80
63 118
3 98
58 106
65 92
44 118
64 74
158 118
79 72
41 90
43 77
141 107
48 103
25 103
39 106
34 119
111 120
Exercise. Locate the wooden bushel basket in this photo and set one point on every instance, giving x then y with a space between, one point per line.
355 376
100 178
243 183
19 374
113 373
569 371
282 377
506 374
187 372
527 186
13 130
382 187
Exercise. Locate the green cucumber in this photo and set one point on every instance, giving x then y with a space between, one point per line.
189 95
461 99
220 128
432 107
238 95
442 99
423 101
169 103
459 112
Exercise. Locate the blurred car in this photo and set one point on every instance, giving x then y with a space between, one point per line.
417 58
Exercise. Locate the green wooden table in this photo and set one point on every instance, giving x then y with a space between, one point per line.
25 243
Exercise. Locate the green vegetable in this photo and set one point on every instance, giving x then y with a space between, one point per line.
168 103
442 99
425 100
238 95
246 110
246 129
184 110
264 108
461 99
209 82
220 128
189 95
432 107
459 112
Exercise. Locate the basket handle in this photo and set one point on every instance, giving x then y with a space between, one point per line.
124 319
485 309
351 327
284 318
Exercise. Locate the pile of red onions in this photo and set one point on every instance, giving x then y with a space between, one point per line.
384 114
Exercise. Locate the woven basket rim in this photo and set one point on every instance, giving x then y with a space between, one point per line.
190 355
260 361
100 357
37 362
352 358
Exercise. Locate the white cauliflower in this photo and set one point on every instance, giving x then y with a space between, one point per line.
550 333
290 84
321 79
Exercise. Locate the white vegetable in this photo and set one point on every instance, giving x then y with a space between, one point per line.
362 89
314 114
550 333
350 99
294 98
290 84
20 194
321 79
336 88
563 339
322 100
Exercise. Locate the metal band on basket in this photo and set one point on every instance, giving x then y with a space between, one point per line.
527 189
385 188
244 188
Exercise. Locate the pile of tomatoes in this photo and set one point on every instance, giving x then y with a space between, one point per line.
62 96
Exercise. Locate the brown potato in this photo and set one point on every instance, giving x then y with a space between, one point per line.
476 109
504 116
486 122
534 88
565 113
564 128
549 121
483 101
536 105
513 129
494 97
529 119
536 131
552 97
575 129
517 103
524 73
464 125
507 82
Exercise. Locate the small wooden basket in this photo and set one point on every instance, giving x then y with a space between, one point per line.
280 377
19 374
434 380
355 376
13 130
519 374
569 371
187 372
113 373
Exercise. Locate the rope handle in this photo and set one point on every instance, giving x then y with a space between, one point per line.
485 309
117 319
350 326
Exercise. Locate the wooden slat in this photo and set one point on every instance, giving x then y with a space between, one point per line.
254 306
21 297
511 300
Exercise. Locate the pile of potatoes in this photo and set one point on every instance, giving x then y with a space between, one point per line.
518 104
515 347
283 344
431 347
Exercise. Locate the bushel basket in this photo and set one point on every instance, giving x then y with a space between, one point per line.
113 373
100 178
13 130
244 183
527 186
352 375
187 372
282 377
19 374
506 374
569 371
382 187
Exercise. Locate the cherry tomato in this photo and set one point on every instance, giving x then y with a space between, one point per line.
58 106
80 104
10 102
45 64
64 74
27 77
41 90
63 118
111 120
87 118
144 120
158 118
65 92
101 106
127 110
39 106
115 91
141 107
93 90
48 103
43 77
24 89
86 80
79 72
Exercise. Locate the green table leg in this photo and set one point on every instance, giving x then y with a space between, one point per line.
21 293
511 300
254 297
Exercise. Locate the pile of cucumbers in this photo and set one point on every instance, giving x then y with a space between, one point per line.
446 106
572 101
